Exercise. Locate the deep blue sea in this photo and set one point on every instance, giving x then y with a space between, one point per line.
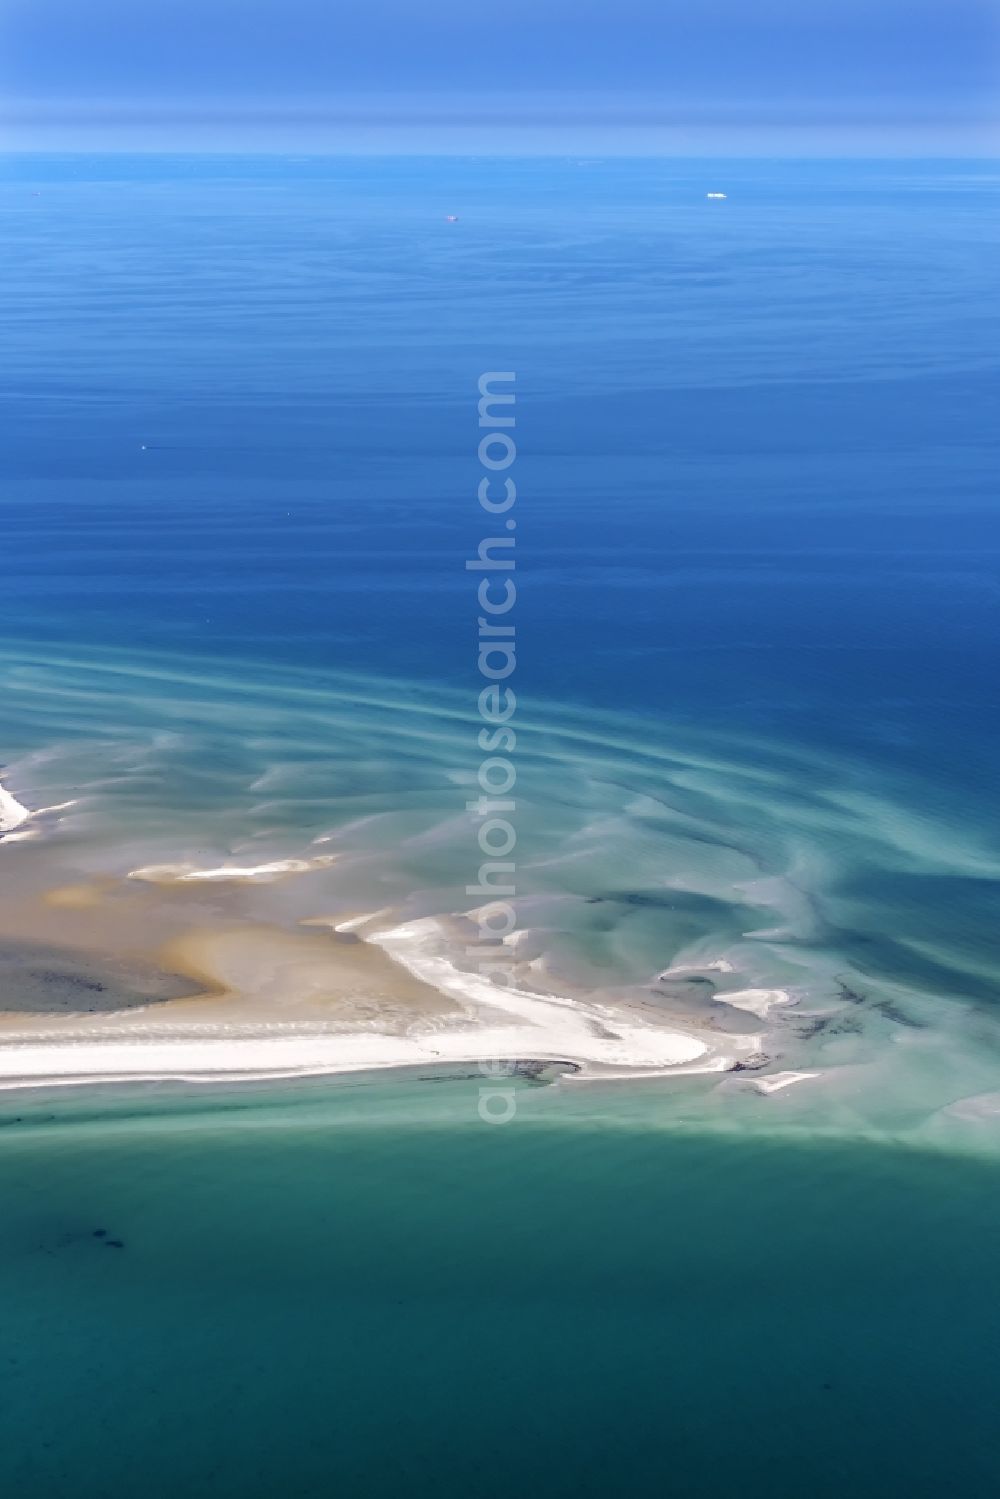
758 547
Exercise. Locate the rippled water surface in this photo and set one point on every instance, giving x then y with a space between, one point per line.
758 547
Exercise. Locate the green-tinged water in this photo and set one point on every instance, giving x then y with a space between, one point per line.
361 1289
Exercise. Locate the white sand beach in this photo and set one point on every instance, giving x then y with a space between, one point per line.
261 998
280 1004
215 1055
12 813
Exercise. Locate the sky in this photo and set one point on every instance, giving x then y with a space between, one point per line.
737 76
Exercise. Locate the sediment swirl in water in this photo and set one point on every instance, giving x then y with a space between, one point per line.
731 887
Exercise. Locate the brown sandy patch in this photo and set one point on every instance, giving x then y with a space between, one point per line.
259 973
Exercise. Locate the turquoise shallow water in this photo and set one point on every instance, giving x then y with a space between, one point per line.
362 1289
664 864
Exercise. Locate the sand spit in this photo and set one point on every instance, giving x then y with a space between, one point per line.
190 874
275 1003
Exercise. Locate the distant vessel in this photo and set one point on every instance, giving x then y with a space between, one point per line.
715 195
451 218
